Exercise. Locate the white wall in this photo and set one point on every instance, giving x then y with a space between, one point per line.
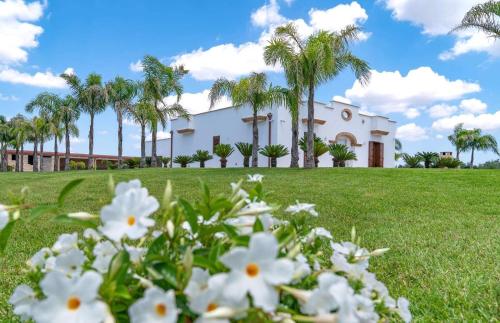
228 125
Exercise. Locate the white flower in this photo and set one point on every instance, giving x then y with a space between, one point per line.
91 234
103 252
301 267
66 242
239 191
205 296
256 270
136 254
70 263
403 307
255 208
23 300
322 300
123 187
364 309
255 178
128 215
156 306
70 299
319 232
39 258
349 258
245 223
4 216
302 207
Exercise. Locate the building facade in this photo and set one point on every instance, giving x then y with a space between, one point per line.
370 137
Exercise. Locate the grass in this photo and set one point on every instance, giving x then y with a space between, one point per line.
442 225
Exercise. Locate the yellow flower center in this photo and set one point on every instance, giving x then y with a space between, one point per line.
252 270
131 220
73 303
161 309
212 307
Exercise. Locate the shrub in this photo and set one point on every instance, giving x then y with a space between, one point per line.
412 161
492 164
202 156
341 154
274 152
77 165
448 162
428 158
183 160
223 151
165 161
245 150
223 257
133 162
319 148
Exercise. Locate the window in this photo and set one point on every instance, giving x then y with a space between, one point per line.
215 143
346 114
30 159
13 157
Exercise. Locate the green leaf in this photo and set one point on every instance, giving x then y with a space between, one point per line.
63 218
118 267
191 215
42 210
67 189
258 226
5 235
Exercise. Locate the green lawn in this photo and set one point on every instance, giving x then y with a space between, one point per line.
442 225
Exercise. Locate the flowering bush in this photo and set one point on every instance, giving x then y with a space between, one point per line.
219 259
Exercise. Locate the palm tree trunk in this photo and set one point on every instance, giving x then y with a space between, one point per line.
56 157
472 158
153 148
41 155
458 154
120 137
35 154
22 157
17 159
143 147
90 162
68 148
255 140
294 162
4 157
309 163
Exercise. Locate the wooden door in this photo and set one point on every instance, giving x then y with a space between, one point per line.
375 154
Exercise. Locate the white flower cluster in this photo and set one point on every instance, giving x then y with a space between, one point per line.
218 260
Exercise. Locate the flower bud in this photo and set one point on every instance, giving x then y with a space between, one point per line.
170 229
81 216
379 252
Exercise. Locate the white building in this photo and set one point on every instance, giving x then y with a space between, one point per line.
370 137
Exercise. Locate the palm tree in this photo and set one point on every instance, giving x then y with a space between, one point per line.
161 81
253 90
458 139
341 154
183 160
5 139
428 158
315 61
477 141
245 150
398 145
223 151
70 113
412 161
202 156
484 17
142 113
319 149
120 95
92 98
274 152
20 134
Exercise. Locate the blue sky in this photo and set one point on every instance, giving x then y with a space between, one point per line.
422 77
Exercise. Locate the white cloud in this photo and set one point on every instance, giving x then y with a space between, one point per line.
268 15
441 110
412 113
77 140
389 92
69 71
485 121
198 102
411 132
160 135
136 67
130 122
103 132
439 136
39 79
8 97
341 99
16 30
438 18
232 60
473 106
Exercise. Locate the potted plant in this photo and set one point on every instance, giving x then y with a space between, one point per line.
202 156
319 148
223 151
274 152
341 154
183 160
245 150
